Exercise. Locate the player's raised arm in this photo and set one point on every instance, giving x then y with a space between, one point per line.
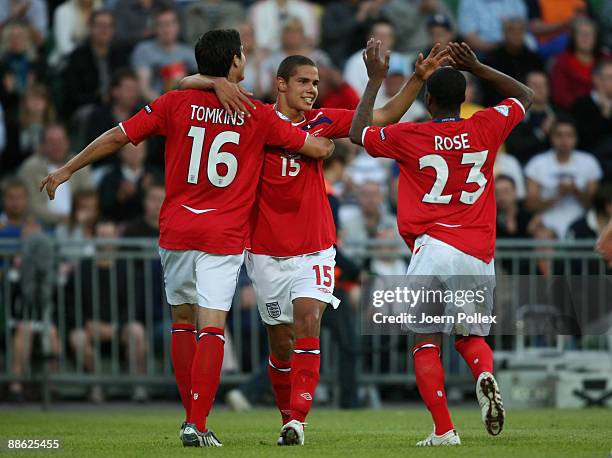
506 86
109 142
232 96
397 106
377 65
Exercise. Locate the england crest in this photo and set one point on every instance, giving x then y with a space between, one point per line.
274 309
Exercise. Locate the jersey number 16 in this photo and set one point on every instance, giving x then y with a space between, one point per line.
215 157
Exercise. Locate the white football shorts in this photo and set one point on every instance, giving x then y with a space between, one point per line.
197 277
438 266
279 281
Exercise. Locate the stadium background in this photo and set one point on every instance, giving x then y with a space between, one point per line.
82 313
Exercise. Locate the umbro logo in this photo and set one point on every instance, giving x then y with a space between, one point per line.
306 396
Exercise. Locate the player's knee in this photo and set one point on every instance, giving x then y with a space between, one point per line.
307 325
184 313
282 349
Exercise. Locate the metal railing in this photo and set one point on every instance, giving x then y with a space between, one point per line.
120 282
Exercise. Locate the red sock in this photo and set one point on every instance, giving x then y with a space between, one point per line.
304 376
477 354
183 347
205 375
430 381
279 372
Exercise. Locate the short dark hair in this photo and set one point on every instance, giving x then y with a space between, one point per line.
14 183
289 65
97 13
215 51
447 87
563 118
163 9
121 74
508 178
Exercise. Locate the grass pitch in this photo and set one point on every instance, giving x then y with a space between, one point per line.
149 432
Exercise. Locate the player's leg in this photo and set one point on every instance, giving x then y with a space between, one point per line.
181 294
430 382
183 346
134 340
479 357
281 339
216 280
307 314
271 278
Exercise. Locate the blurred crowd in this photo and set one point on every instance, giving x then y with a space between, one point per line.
69 70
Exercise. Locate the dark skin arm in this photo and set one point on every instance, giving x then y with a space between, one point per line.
395 108
377 65
506 86
106 144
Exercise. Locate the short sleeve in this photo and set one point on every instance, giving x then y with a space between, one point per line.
281 133
340 124
593 169
148 122
384 141
501 119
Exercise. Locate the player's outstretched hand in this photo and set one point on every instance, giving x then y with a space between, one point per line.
463 57
233 97
376 62
436 58
52 181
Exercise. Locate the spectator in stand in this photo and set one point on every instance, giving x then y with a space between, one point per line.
101 307
123 187
32 13
254 58
122 102
88 74
75 234
269 16
531 135
134 20
24 134
512 57
18 64
3 140
441 31
53 153
512 218
481 21
293 42
591 225
334 92
392 85
147 224
561 182
507 165
571 76
15 224
203 15
162 62
551 22
472 103
366 221
345 25
593 113
355 71
70 27
605 21
410 20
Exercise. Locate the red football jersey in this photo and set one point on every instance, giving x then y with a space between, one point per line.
292 214
446 187
213 163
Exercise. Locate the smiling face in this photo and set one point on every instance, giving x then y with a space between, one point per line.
301 90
